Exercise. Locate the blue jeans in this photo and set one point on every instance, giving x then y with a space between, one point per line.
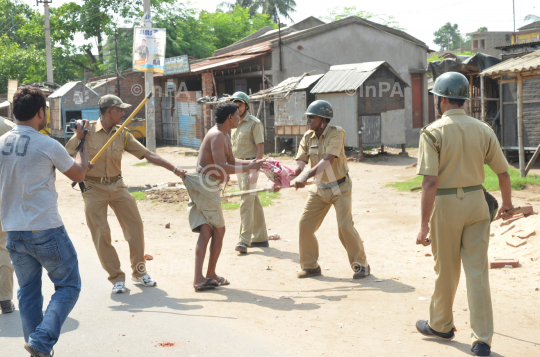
30 252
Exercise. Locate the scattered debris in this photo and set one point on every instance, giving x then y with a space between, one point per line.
515 242
166 344
428 254
148 257
379 280
274 236
421 298
169 195
267 268
168 225
502 262
415 164
416 188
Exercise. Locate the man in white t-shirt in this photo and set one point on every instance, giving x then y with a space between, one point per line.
36 237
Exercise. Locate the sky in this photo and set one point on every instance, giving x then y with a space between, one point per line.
420 18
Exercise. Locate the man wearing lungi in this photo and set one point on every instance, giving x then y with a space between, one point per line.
216 162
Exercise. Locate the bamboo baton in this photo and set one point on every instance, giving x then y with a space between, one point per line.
128 120
109 142
256 190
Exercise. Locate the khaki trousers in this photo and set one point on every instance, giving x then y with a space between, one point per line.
253 224
317 205
96 202
6 271
459 229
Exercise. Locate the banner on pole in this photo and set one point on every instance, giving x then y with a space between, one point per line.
175 65
149 49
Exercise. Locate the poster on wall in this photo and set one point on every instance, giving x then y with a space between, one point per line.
175 65
149 49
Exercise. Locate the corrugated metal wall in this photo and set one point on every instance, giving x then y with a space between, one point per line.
189 114
344 106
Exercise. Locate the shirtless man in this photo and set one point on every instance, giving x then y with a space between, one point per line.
216 162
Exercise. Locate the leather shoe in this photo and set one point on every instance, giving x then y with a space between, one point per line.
481 349
306 273
241 247
7 306
260 244
423 327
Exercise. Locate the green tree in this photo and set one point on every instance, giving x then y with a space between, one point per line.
188 33
482 29
272 8
532 18
339 13
23 46
448 37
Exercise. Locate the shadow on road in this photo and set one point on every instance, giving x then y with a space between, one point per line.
11 326
148 298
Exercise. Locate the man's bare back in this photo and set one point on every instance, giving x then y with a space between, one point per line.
215 148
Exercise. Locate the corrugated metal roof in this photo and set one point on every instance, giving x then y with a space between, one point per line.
529 62
288 85
63 90
349 77
232 57
5 104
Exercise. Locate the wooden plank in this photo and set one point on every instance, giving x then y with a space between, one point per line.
520 125
501 109
483 100
532 161
524 102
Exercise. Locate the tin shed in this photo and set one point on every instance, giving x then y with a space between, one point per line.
368 101
74 100
519 79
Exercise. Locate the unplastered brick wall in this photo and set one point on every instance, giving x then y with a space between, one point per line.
208 90
132 91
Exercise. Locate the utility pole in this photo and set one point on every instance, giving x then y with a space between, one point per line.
46 3
149 86
117 69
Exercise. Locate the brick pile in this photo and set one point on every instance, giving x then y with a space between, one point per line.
515 240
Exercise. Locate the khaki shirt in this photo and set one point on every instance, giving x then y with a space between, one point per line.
462 146
332 142
245 138
6 125
109 163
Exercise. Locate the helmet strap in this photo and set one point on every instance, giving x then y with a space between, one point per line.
439 101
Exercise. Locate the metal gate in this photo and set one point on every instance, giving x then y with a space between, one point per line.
371 135
169 126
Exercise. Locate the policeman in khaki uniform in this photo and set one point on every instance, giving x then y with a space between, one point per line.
323 146
455 212
6 270
105 187
248 144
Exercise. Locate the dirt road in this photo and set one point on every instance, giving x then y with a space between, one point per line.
270 312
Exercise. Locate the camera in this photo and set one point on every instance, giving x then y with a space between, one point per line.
73 124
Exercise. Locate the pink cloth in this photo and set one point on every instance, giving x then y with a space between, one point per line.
277 173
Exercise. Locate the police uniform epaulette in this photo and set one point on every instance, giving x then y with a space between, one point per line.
255 119
431 136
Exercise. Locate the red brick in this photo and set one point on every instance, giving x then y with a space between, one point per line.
501 262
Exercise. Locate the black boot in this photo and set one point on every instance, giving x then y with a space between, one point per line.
7 306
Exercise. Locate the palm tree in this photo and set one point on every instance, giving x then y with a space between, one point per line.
273 8
532 18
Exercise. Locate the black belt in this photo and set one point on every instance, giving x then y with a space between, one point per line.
333 184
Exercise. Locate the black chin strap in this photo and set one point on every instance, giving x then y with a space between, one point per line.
439 100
